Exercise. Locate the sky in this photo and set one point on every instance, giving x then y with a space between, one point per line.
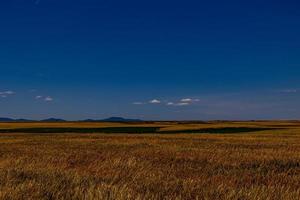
153 60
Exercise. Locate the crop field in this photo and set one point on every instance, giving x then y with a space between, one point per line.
151 160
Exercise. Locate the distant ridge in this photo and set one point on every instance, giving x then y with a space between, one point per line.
120 119
6 119
23 120
53 120
111 119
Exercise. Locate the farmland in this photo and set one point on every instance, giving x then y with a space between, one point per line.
154 160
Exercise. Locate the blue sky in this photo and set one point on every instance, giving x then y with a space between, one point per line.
164 60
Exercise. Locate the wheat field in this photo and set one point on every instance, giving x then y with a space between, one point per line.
253 165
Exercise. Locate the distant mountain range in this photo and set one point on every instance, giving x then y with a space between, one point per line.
111 119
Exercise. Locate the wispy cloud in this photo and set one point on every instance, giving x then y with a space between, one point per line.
154 101
6 93
48 99
178 104
186 100
138 103
189 100
32 90
290 90
37 2
182 104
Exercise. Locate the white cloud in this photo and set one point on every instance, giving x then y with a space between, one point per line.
170 103
154 101
38 97
48 99
186 100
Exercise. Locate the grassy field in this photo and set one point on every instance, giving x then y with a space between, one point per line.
176 161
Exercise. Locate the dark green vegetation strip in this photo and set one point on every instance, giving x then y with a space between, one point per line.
223 130
135 130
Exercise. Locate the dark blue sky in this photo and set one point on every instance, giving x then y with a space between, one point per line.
153 60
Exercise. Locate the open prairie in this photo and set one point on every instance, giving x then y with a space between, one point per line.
154 160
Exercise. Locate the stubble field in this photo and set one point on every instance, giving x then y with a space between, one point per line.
216 160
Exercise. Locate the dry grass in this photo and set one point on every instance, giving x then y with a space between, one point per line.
262 165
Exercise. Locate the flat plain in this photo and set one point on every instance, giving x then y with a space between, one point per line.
154 160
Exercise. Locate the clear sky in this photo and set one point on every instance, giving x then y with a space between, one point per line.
158 60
